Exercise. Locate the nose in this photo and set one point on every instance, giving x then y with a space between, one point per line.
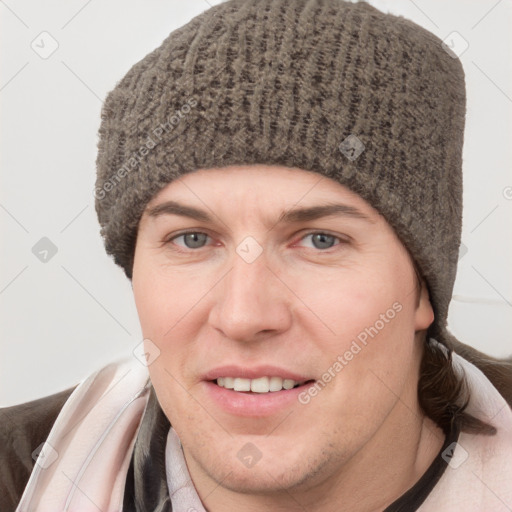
251 302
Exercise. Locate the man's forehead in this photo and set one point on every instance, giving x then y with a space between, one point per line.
284 195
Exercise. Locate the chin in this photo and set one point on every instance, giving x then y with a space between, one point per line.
274 473
263 479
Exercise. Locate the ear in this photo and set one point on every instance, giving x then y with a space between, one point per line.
424 315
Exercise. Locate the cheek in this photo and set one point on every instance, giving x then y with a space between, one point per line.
368 343
367 362
149 300
171 311
355 305
163 299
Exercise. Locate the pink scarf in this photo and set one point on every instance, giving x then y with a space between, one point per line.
86 457
84 462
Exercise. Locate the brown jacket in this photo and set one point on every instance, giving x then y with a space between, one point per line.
25 426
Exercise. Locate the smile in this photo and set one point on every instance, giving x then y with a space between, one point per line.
245 402
258 385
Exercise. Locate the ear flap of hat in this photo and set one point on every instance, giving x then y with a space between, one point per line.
498 371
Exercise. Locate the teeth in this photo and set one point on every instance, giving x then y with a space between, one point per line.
242 384
259 385
276 383
229 382
288 383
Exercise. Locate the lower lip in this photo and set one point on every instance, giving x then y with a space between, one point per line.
253 404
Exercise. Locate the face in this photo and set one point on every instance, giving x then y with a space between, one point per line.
328 303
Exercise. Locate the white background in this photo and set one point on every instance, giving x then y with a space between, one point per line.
63 319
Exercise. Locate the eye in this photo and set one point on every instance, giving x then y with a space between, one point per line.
322 240
196 240
192 239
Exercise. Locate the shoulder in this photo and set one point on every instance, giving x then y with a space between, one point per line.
23 428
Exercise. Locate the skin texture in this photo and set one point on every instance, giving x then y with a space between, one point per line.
362 440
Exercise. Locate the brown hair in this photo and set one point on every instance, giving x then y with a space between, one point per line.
443 395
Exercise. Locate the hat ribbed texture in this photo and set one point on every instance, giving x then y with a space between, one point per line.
285 82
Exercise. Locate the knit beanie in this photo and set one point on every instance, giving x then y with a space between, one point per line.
368 99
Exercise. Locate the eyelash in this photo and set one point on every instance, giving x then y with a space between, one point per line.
167 241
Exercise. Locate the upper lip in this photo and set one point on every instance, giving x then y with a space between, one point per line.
254 372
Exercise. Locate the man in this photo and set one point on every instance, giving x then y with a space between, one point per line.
281 182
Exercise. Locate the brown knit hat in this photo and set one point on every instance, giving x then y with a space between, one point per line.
368 99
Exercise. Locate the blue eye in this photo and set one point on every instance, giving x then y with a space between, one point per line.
196 240
194 237
322 239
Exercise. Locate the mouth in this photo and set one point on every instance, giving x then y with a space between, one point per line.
257 397
260 385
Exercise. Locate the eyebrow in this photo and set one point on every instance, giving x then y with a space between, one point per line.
288 217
